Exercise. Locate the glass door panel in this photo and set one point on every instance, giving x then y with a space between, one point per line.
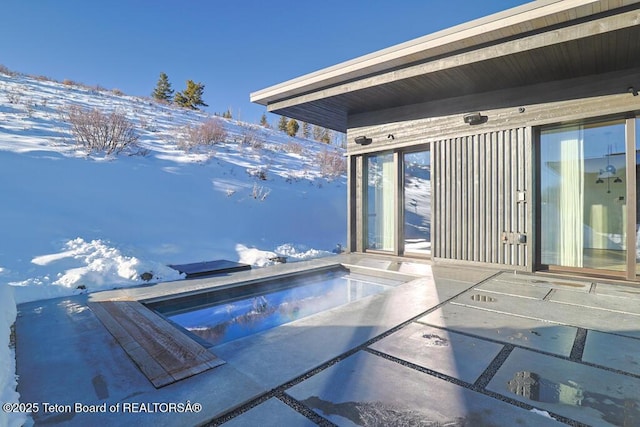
417 202
380 202
583 191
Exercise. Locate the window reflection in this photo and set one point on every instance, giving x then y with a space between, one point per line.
380 202
417 202
583 191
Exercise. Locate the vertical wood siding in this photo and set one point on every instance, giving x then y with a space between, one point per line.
476 181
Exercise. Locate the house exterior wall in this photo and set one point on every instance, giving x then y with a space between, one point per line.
483 176
480 197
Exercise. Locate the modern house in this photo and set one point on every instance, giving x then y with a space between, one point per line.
511 140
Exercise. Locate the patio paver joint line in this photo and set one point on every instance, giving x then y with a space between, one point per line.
493 367
302 409
578 345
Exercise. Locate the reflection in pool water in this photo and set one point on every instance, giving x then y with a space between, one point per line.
227 319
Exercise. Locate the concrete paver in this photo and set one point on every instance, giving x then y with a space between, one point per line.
533 280
458 356
364 389
600 302
612 351
531 333
272 413
515 289
555 312
620 290
590 395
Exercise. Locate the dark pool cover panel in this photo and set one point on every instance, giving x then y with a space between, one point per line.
209 268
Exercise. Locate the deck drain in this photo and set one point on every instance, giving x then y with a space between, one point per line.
483 298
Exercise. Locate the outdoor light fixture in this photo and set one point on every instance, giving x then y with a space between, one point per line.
633 91
390 136
363 140
474 118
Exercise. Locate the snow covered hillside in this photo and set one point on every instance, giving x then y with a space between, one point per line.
72 222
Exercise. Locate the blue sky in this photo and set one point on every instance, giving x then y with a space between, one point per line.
233 47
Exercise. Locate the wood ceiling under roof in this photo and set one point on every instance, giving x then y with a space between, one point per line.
564 49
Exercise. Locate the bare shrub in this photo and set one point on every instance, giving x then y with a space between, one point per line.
251 136
14 97
332 164
259 192
95 131
206 133
257 143
117 92
294 147
30 108
5 70
213 131
258 173
69 82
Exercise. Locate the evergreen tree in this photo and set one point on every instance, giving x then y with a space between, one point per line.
163 91
191 97
306 130
263 121
227 114
282 124
292 127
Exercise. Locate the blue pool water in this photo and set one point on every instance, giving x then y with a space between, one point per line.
227 315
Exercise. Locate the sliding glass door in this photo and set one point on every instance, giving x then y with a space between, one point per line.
380 202
583 191
417 202
398 202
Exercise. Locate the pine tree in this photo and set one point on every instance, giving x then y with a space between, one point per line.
306 130
292 127
263 121
191 97
282 124
227 114
163 91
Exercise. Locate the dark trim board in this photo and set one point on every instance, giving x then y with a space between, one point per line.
209 268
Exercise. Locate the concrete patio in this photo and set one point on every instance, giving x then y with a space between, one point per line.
451 346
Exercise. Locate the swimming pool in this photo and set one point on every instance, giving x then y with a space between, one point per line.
225 315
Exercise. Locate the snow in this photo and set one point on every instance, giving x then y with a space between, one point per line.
541 413
72 222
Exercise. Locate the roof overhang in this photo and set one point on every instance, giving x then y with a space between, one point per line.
542 41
